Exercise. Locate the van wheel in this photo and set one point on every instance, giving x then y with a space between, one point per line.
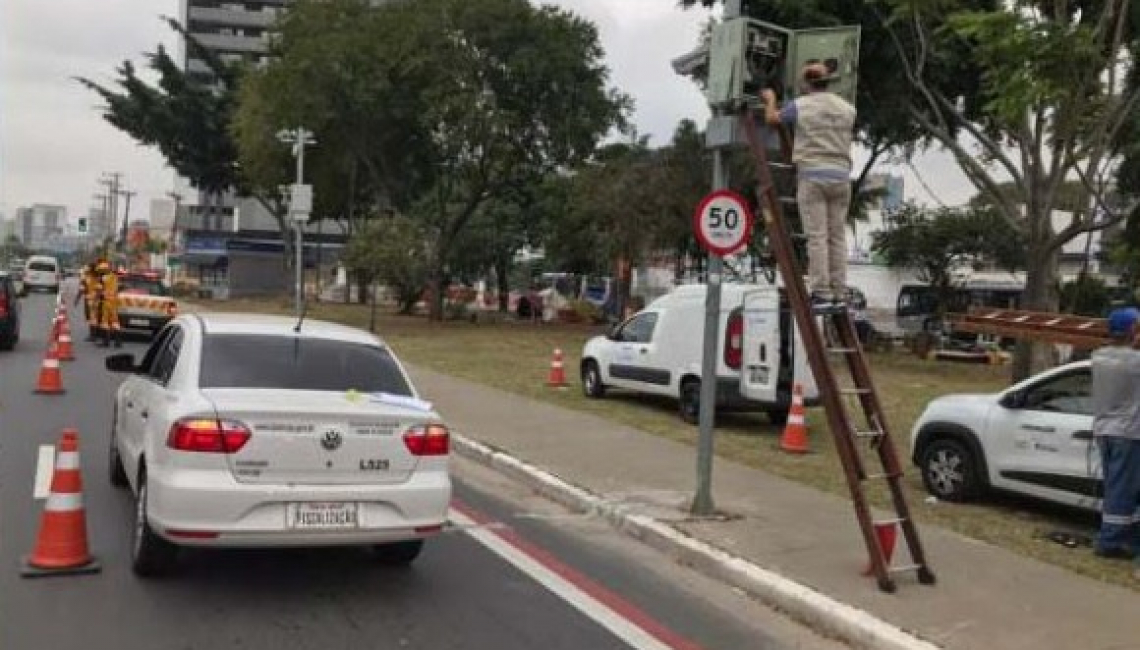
592 385
691 401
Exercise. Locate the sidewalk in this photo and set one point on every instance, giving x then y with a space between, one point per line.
985 598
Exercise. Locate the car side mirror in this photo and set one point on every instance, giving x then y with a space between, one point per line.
124 362
1013 400
613 333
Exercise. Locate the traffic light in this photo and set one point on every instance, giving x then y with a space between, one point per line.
748 55
82 225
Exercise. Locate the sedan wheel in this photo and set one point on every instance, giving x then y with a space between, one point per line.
117 473
398 553
151 556
950 471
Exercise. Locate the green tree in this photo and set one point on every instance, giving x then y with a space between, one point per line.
392 250
435 107
1053 106
938 242
186 117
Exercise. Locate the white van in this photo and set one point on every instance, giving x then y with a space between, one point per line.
41 273
658 351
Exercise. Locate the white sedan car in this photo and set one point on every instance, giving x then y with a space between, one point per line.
240 430
1034 438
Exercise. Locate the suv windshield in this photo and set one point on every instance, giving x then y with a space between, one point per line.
283 362
42 266
141 286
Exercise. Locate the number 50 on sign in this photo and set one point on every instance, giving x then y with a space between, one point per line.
723 223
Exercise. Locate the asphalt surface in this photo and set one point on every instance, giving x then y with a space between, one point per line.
459 594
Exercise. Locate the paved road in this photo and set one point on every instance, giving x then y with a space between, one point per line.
524 575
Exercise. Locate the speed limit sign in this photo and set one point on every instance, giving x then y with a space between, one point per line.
723 223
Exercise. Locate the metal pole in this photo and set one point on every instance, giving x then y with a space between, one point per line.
703 501
298 225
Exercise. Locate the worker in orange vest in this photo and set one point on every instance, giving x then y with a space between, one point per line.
89 293
108 305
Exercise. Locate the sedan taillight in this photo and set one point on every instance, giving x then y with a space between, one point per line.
428 440
208 436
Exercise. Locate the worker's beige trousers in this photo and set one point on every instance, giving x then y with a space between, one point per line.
823 207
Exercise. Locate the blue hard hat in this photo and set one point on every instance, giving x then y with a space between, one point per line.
1121 320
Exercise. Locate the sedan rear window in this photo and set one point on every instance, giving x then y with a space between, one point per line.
42 266
251 361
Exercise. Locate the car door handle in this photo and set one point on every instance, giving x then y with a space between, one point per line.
130 405
144 414
643 351
1038 429
1083 435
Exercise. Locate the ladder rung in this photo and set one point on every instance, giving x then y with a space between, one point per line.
874 433
779 165
904 567
856 391
888 475
893 520
842 350
790 200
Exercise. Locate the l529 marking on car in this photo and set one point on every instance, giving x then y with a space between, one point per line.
373 465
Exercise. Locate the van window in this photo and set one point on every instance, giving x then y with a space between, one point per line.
638 329
41 266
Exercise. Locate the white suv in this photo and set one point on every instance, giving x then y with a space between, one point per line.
1034 438
41 273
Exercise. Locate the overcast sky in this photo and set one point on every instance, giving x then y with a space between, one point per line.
54 145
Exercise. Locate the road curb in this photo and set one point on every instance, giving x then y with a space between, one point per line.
822 613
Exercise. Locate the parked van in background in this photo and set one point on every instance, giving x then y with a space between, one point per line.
658 351
41 273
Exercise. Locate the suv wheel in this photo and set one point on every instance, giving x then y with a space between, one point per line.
592 384
950 470
151 556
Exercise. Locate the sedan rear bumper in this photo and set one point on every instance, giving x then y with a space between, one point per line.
190 507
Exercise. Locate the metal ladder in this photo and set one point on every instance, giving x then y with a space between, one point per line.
846 434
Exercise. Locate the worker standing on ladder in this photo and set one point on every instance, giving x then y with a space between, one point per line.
1116 426
824 128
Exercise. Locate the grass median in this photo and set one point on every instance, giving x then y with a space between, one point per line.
516 357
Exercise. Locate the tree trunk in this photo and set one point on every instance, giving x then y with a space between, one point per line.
435 288
362 283
1040 295
502 271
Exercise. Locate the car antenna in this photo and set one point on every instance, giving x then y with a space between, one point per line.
301 318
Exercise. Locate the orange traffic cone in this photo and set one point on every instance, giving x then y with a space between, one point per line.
557 378
51 380
63 350
887 533
795 438
61 548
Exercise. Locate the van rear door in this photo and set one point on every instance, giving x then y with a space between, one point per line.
760 368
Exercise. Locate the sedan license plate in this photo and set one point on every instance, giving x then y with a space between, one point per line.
322 516
757 375
138 322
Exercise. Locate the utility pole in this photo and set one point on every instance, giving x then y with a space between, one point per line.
111 181
126 219
300 204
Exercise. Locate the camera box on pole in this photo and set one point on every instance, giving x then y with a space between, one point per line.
748 55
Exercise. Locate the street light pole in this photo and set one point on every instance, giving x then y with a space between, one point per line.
300 204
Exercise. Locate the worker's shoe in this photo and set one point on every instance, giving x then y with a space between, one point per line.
824 303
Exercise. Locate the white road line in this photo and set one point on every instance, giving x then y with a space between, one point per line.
633 635
45 467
